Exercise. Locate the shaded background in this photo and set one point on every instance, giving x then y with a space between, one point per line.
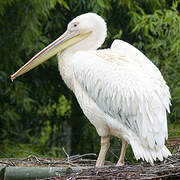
38 113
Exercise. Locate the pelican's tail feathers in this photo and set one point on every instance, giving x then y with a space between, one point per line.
149 154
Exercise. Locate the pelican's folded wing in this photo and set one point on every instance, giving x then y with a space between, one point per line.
123 90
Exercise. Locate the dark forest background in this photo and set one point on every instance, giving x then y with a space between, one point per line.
38 113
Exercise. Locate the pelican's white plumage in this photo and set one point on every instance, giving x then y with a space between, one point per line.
120 90
131 102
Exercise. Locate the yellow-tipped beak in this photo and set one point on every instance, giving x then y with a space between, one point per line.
64 41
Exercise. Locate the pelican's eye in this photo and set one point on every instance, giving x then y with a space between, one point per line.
73 26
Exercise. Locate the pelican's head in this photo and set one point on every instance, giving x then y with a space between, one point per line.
87 31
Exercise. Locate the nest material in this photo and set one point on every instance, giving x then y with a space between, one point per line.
168 169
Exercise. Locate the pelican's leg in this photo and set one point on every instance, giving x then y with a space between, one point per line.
123 151
104 148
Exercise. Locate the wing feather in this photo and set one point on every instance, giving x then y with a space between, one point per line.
131 91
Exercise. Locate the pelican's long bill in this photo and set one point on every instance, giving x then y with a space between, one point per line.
64 41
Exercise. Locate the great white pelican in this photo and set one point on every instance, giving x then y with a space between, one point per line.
119 89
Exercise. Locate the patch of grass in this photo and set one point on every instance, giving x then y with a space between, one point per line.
174 130
19 150
173 141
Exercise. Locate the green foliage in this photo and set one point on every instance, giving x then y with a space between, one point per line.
158 36
36 108
60 108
